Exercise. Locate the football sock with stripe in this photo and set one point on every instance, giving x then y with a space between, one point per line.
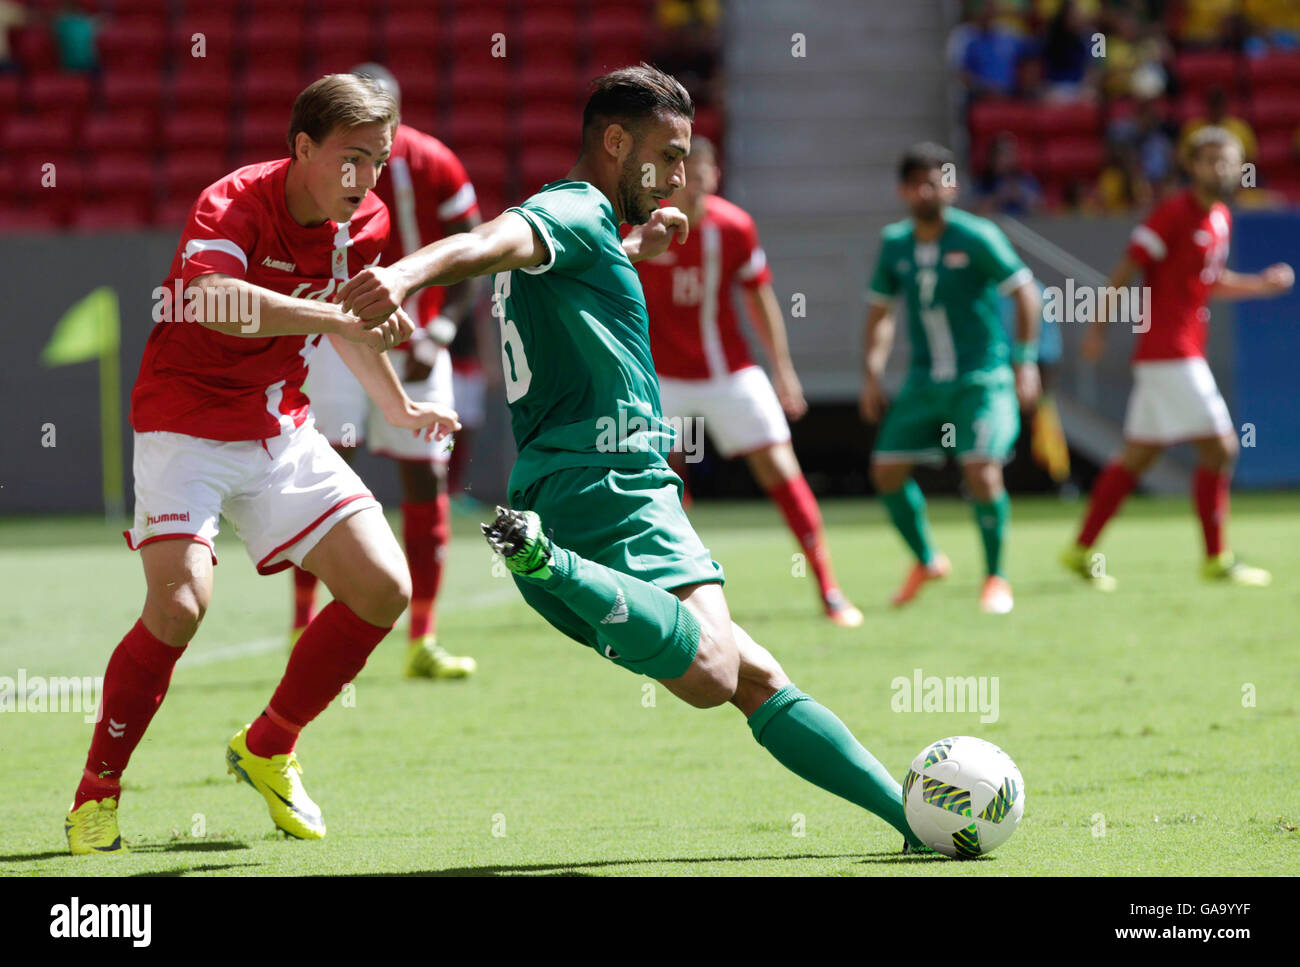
906 509
804 518
809 740
992 517
426 529
331 652
638 619
135 682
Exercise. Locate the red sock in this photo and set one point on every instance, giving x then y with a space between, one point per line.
1113 484
426 528
304 597
1210 493
134 685
799 506
330 653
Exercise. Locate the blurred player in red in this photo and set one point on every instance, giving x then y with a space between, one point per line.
703 361
1182 250
222 427
428 196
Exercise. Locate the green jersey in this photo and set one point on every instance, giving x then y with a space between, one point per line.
950 288
575 344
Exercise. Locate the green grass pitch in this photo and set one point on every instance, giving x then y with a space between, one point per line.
1154 727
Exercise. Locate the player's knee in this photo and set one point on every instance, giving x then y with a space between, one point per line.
381 595
175 618
887 478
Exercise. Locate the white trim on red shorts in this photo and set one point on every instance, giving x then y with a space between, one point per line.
132 546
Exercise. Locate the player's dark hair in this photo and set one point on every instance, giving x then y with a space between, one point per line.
339 100
630 96
925 156
1214 135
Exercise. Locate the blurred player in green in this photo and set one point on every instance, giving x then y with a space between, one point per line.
598 543
948 268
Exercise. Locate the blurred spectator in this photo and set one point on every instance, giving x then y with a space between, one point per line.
1005 186
11 15
687 46
1203 23
1216 114
1135 58
1273 23
992 54
1121 186
1068 65
74 36
1149 136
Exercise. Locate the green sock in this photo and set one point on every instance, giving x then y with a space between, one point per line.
907 510
638 619
992 518
811 742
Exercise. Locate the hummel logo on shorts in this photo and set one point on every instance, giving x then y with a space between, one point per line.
617 614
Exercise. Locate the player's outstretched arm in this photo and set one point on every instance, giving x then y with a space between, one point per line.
1274 280
375 374
506 243
240 308
880 338
1094 340
769 325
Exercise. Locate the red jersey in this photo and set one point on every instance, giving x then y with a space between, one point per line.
1182 248
694 333
425 187
204 383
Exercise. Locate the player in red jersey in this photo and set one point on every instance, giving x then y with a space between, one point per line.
428 195
704 365
1182 249
222 427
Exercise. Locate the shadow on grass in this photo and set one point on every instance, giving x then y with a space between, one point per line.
186 871
190 846
575 869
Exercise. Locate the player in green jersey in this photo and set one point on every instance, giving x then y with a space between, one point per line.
598 542
948 269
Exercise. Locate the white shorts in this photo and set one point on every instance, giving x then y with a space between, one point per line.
282 494
345 414
741 412
469 389
1174 400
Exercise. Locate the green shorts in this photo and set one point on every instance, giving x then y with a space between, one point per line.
630 521
973 419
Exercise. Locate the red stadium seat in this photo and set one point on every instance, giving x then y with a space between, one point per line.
340 41
110 215
611 53
264 136
33 49
125 89
25 219
63 93
475 85
543 129
1275 70
273 38
123 178
203 85
10 94
612 25
120 132
1276 151
1079 117
412 30
1275 109
1073 157
708 123
548 40
488 169
1193 105
477 36
173 212
189 172
1199 70
550 88
136 44
196 130
991 116
479 129
422 117
36 135
271 87
543 166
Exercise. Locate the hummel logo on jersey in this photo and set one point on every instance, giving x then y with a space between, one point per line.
271 263
115 728
617 614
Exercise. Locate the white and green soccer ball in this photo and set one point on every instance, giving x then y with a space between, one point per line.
963 796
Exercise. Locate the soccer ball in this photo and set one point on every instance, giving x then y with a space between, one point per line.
963 796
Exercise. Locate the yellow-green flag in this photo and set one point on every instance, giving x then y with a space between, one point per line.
90 330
